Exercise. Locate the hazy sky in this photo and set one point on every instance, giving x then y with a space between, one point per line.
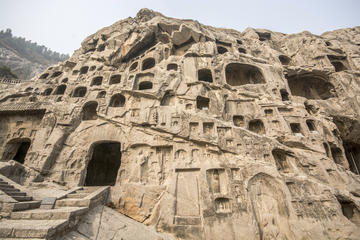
62 24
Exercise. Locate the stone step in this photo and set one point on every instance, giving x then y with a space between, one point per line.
6 187
22 198
88 189
49 214
11 190
72 202
77 195
31 228
21 206
12 193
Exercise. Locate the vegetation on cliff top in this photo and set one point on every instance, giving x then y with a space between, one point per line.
6 72
30 50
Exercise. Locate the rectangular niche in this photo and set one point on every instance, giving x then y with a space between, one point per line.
217 180
235 173
208 128
268 112
239 121
311 126
202 103
296 129
224 131
187 193
337 154
193 127
222 205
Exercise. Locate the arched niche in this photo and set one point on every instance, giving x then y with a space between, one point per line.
97 81
84 69
44 76
172 66
285 60
101 94
79 92
117 100
56 74
257 126
238 74
115 79
311 86
148 64
133 66
60 90
89 111
337 155
238 120
222 50
47 92
270 208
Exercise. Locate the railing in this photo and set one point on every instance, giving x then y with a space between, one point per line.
11 81
23 107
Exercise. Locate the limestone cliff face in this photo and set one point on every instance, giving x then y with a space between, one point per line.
204 133
23 68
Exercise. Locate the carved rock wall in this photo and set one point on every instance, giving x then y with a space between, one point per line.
204 133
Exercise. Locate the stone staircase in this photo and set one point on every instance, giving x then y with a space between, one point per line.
13 197
49 221
14 192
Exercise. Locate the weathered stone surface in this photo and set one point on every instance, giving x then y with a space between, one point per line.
105 223
203 133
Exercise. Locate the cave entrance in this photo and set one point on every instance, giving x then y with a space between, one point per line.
104 164
349 210
352 152
17 150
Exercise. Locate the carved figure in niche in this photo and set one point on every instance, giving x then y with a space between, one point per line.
180 155
20 132
195 155
215 181
194 127
144 165
164 162
140 171
311 106
222 205
236 174
270 209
